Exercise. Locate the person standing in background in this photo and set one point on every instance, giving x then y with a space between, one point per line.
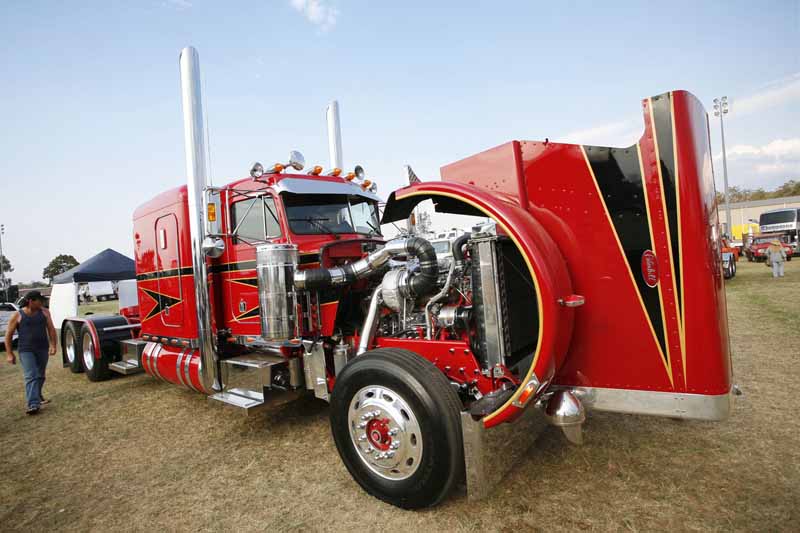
776 256
36 343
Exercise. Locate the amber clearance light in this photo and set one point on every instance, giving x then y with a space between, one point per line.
212 212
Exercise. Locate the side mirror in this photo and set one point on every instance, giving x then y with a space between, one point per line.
296 160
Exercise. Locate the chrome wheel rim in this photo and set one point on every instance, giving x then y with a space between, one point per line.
88 351
385 432
70 346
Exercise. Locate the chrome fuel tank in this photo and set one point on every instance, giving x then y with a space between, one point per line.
275 266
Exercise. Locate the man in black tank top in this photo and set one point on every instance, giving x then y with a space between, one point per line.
36 343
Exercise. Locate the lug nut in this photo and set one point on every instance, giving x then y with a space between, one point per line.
395 445
362 438
393 432
362 425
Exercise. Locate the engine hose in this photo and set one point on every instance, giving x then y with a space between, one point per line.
458 245
419 283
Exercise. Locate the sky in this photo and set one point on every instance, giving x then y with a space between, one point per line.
90 108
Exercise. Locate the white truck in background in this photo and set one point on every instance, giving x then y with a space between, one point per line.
97 290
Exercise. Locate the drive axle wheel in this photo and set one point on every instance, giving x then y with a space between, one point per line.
395 421
72 349
96 368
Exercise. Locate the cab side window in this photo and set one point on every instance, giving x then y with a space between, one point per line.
254 220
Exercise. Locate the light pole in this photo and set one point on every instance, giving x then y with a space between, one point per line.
720 109
3 264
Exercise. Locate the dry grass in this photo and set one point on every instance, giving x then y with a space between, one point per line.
136 454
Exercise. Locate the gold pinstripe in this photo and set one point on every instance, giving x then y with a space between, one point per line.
680 232
667 361
667 231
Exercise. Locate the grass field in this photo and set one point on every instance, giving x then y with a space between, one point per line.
136 454
109 307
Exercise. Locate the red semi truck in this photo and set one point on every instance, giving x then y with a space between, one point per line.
281 283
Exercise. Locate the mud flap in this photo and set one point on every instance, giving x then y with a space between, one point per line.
489 454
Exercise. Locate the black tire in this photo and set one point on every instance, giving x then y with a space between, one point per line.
96 368
416 384
71 348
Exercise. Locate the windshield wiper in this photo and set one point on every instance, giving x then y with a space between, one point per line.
374 229
317 222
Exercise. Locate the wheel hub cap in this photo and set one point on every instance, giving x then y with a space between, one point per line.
88 352
70 347
385 432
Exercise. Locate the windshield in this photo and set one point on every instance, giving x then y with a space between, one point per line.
778 217
441 247
331 213
767 240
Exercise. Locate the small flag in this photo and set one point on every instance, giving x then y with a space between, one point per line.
412 178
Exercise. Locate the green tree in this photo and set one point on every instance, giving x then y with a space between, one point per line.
6 264
60 264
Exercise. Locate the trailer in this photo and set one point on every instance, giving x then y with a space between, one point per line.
598 287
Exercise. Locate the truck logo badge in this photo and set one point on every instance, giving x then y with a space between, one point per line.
650 268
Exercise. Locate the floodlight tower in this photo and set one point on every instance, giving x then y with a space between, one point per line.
2 264
720 109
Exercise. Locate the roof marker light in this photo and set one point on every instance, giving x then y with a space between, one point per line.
365 185
336 172
350 176
257 170
315 171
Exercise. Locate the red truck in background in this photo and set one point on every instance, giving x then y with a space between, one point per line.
756 249
281 283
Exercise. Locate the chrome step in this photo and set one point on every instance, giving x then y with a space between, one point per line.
132 348
254 360
126 366
245 399
249 401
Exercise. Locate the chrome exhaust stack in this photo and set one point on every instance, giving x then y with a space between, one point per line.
334 135
197 180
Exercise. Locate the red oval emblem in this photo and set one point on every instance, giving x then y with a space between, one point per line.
650 268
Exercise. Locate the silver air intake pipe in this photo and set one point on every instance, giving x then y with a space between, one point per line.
396 285
411 285
194 137
334 135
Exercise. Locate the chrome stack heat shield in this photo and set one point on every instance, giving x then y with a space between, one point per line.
334 135
197 180
275 267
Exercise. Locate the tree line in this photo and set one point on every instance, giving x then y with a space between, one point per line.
60 264
740 194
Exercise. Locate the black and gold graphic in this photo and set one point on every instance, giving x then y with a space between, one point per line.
162 302
250 313
617 172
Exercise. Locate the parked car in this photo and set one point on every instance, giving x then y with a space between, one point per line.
757 250
7 310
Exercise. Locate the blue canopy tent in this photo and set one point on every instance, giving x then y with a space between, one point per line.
108 265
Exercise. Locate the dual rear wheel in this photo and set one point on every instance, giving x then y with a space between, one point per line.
395 420
81 350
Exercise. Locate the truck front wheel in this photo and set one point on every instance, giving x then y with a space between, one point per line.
395 421
96 367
